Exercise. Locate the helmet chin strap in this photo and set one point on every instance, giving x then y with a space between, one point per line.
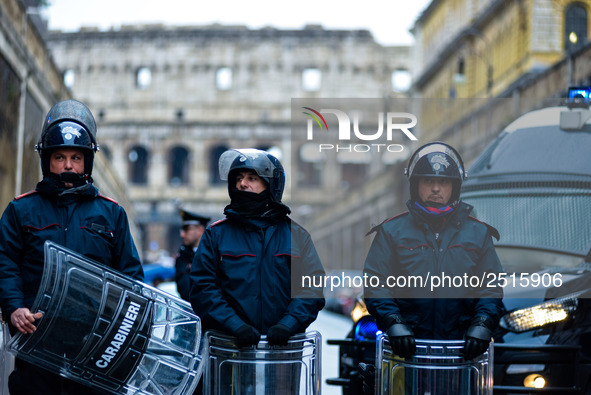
71 178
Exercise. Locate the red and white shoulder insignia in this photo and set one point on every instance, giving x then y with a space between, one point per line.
25 195
109 199
219 221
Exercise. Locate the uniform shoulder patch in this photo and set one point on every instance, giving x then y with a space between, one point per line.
109 199
296 224
25 195
493 231
396 217
375 228
219 221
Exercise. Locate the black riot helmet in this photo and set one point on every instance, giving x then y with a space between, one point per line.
439 160
263 163
68 123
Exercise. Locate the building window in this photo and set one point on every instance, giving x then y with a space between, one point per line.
106 151
401 80
69 78
310 165
575 27
223 78
179 166
138 165
353 175
460 74
354 167
180 115
311 79
143 78
214 171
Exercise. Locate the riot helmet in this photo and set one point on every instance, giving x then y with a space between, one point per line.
68 123
436 160
261 162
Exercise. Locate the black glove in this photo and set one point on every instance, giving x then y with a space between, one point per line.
402 338
368 373
278 335
477 337
247 336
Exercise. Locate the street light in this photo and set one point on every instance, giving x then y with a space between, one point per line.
573 38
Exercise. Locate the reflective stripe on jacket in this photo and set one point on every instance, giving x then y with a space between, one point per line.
92 225
406 246
243 275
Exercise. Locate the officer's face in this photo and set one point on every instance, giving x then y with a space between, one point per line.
191 234
249 181
434 189
66 160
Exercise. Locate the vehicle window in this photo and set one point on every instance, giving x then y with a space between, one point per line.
555 220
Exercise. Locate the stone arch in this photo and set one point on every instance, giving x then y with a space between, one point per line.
138 157
178 161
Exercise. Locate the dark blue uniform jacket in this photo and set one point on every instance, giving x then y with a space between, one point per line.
182 268
405 245
242 274
90 224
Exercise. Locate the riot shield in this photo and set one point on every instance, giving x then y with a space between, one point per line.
109 331
6 359
438 367
262 369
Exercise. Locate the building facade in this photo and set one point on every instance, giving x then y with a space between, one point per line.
30 83
171 100
472 51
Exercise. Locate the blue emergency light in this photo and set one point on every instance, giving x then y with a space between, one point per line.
579 94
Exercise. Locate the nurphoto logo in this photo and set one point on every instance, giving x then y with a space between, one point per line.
390 125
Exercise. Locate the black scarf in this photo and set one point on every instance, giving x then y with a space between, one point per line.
53 186
245 206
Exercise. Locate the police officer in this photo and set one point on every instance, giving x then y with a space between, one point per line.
192 229
66 208
436 236
241 277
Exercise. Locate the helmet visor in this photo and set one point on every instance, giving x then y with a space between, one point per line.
248 158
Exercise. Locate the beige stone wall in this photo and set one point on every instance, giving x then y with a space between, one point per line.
30 85
183 106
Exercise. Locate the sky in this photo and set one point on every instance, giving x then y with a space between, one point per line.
388 21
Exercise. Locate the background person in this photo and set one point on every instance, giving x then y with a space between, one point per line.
435 236
66 208
192 229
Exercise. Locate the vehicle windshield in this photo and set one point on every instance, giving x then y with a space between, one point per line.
525 260
550 220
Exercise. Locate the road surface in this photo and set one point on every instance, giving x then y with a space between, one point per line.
331 326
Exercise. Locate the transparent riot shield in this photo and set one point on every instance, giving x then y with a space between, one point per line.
438 367
264 369
109 331
6 359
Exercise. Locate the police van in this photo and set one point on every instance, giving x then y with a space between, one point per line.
532 183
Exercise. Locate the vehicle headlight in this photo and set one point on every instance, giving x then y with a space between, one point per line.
359 311
537 316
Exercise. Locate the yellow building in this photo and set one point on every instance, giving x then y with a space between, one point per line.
467 49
